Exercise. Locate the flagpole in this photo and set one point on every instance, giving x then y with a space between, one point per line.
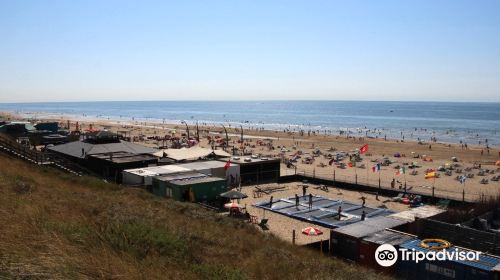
355 174
379 170
404 175
463 194
367 175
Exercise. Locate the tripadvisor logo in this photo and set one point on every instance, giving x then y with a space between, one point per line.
387 255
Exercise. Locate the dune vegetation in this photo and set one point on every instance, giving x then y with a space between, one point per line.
57 226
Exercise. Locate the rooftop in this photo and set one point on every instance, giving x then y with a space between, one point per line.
157 170
253 159
123 157
421 212
74 149
200 165
324 211
180 176
192 153
369 226
486 262
389 237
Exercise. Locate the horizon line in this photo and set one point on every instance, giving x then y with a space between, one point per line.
249 100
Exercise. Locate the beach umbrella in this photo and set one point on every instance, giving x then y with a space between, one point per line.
312 231
233 194
232 205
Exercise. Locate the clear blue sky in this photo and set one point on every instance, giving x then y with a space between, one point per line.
161 50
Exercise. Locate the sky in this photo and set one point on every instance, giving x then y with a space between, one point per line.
249 50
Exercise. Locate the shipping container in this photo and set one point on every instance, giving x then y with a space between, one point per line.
144 176
216 168
189 186
345 241
370 243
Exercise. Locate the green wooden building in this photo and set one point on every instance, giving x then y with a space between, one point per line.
189 186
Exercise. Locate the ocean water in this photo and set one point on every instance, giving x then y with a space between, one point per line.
446 121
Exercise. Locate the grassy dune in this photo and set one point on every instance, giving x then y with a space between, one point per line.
56 226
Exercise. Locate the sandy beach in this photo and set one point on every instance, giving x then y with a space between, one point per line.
291 143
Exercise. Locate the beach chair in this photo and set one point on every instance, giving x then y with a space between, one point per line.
263 224
398 198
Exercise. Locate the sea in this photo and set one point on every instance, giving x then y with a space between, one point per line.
447 122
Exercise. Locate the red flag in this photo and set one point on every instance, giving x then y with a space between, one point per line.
227 165
363 149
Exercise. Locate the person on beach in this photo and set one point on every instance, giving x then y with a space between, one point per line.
363 215
339 211
393 183
310 201
364 201
304 189
296 201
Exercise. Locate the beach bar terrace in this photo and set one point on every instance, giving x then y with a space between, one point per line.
255 170
323 211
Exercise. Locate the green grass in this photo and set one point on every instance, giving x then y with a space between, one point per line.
57 226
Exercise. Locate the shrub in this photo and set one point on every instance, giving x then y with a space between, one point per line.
141 239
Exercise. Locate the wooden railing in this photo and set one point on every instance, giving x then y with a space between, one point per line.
14 148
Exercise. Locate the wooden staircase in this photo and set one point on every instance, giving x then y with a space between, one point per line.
11 147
